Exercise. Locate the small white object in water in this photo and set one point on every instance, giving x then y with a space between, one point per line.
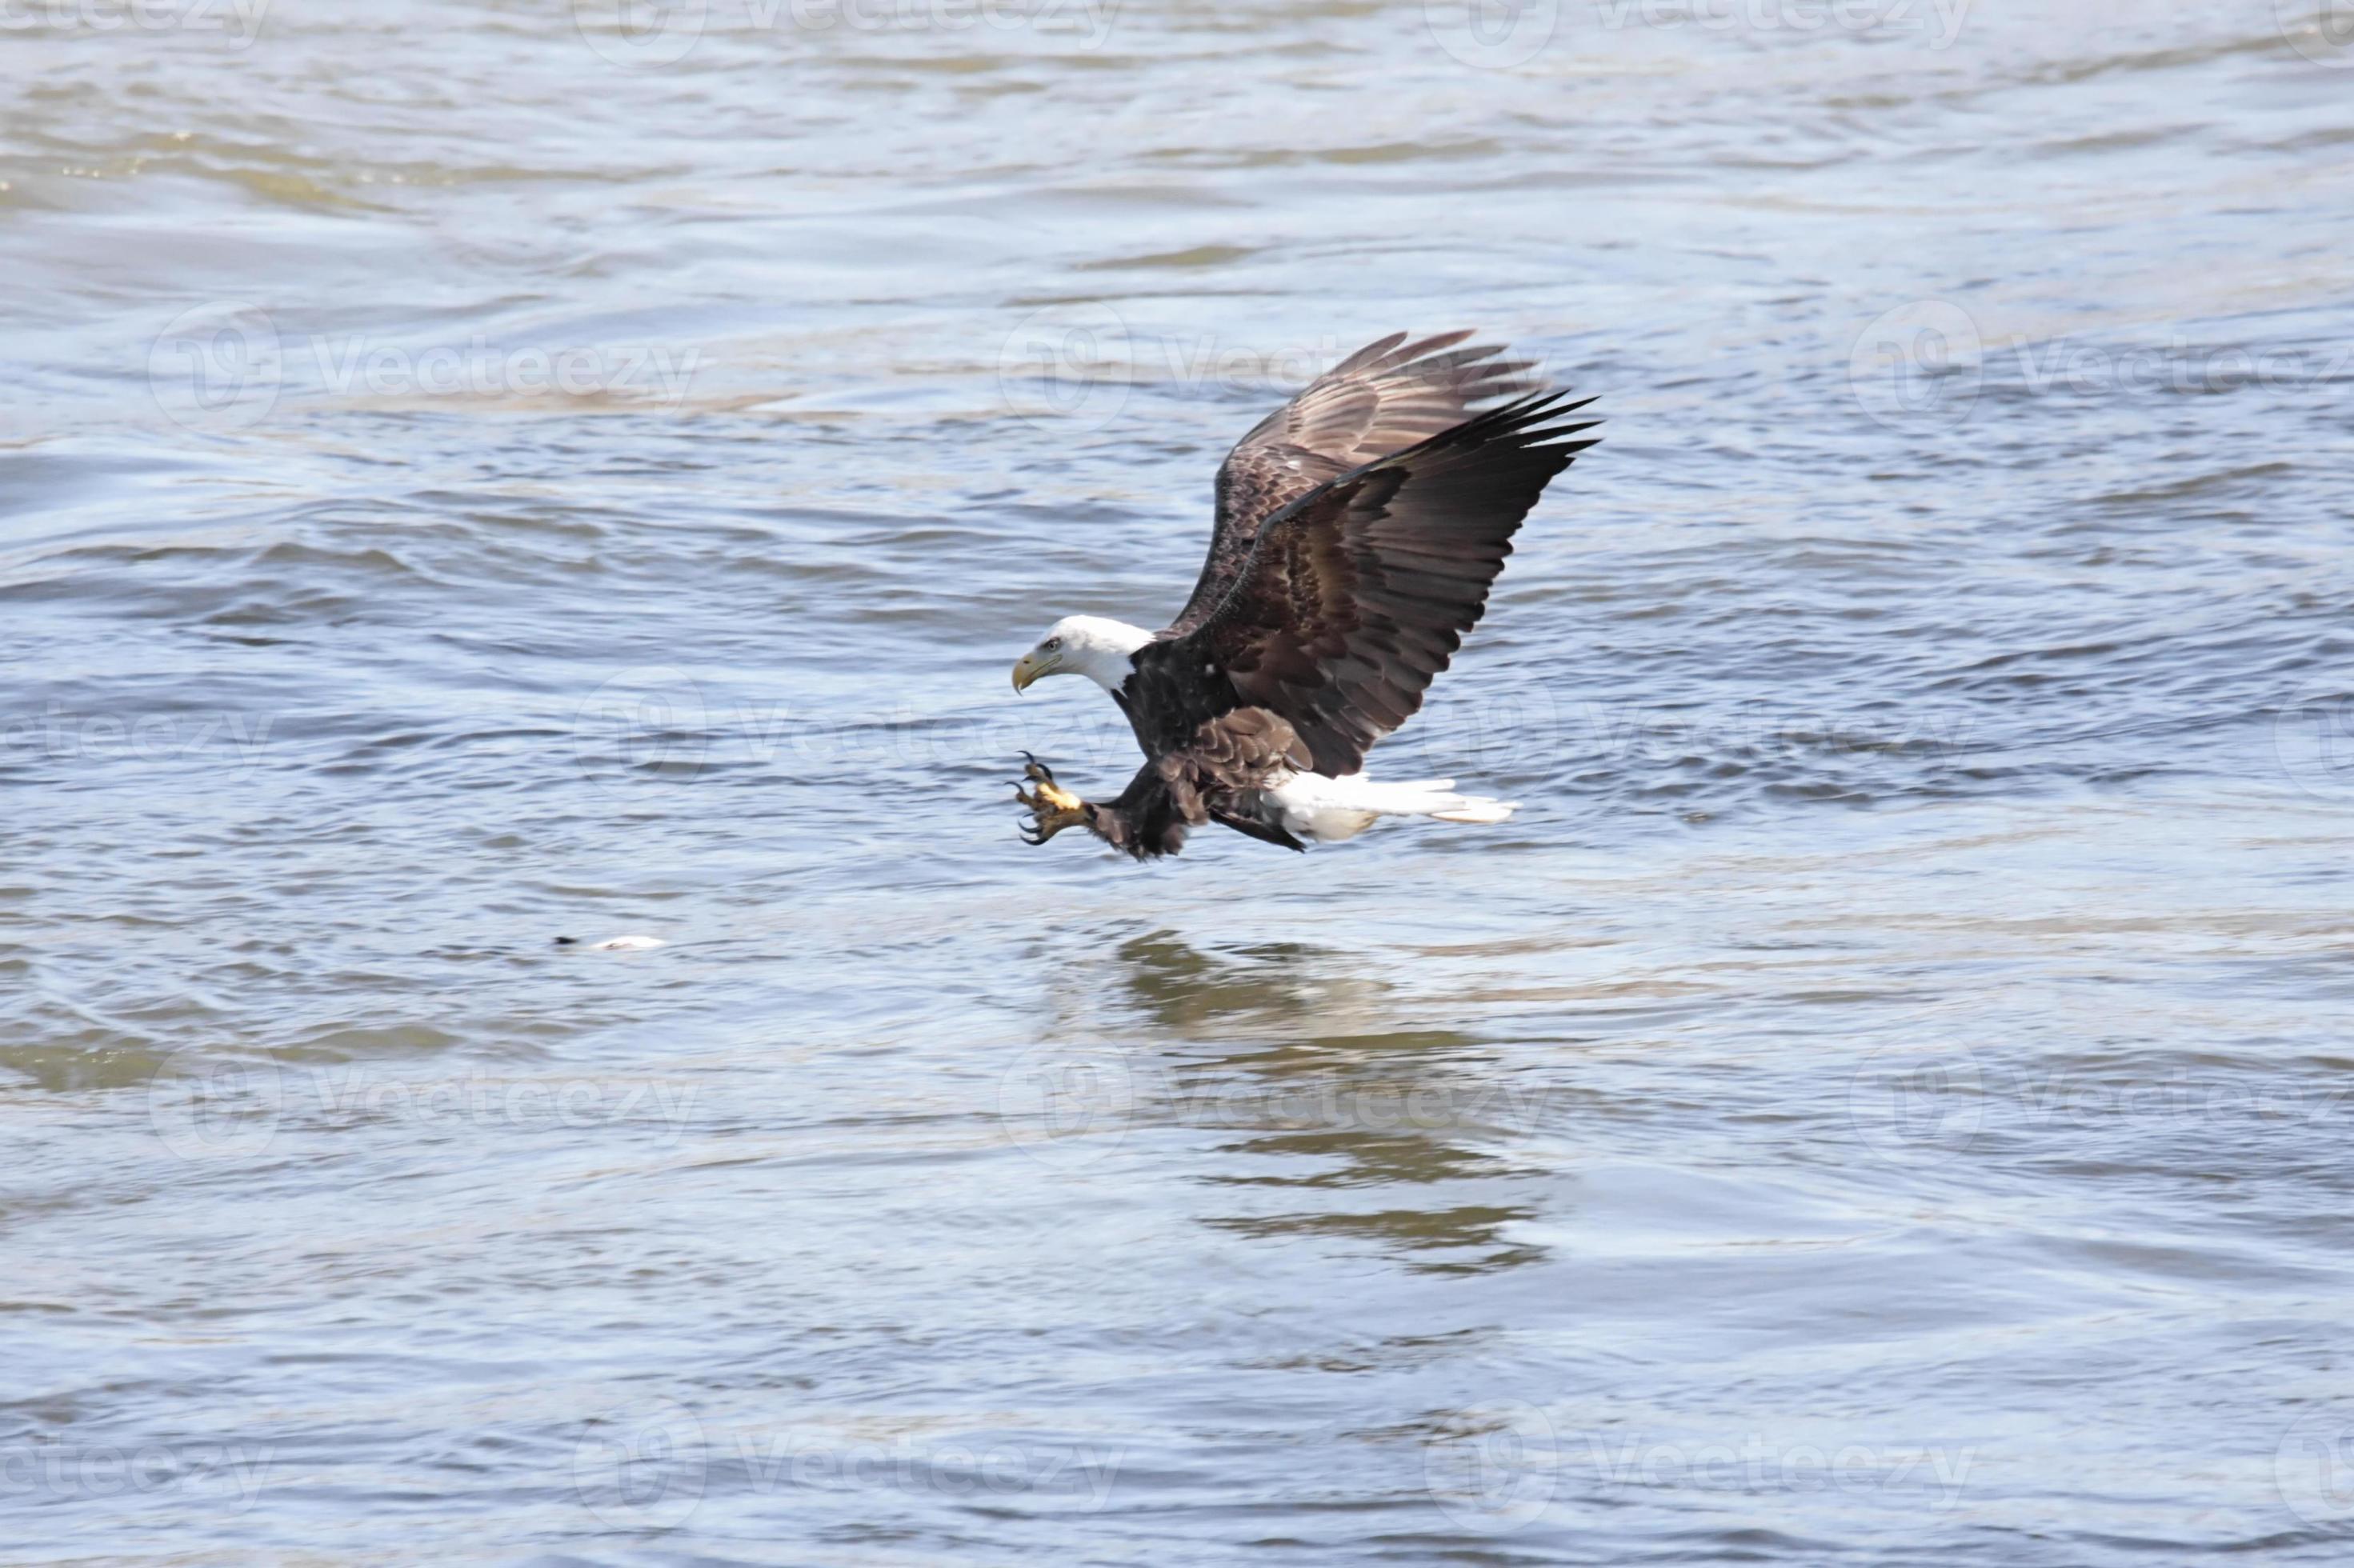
629 944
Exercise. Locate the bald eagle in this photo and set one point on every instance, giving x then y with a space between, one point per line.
1358 530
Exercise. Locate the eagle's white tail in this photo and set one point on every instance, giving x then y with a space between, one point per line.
1330 809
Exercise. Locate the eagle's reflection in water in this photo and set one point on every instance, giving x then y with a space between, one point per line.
1321 1107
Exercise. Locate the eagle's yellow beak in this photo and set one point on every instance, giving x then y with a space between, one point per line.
1029 668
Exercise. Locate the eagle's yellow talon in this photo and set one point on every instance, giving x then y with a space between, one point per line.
1052 809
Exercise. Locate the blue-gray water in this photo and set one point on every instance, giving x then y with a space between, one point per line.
470 478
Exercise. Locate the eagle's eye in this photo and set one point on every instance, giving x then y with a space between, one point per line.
1053 643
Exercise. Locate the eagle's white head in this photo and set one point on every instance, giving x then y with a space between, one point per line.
1086 645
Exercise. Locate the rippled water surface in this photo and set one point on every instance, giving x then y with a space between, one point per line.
471 474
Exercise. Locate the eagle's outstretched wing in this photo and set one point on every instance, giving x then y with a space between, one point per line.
1386 396
1358 593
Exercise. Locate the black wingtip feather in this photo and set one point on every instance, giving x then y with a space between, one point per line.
1526 422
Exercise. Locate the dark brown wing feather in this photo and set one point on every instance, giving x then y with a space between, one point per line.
1357 595
1384 398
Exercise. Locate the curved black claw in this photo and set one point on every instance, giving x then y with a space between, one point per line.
1052 809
